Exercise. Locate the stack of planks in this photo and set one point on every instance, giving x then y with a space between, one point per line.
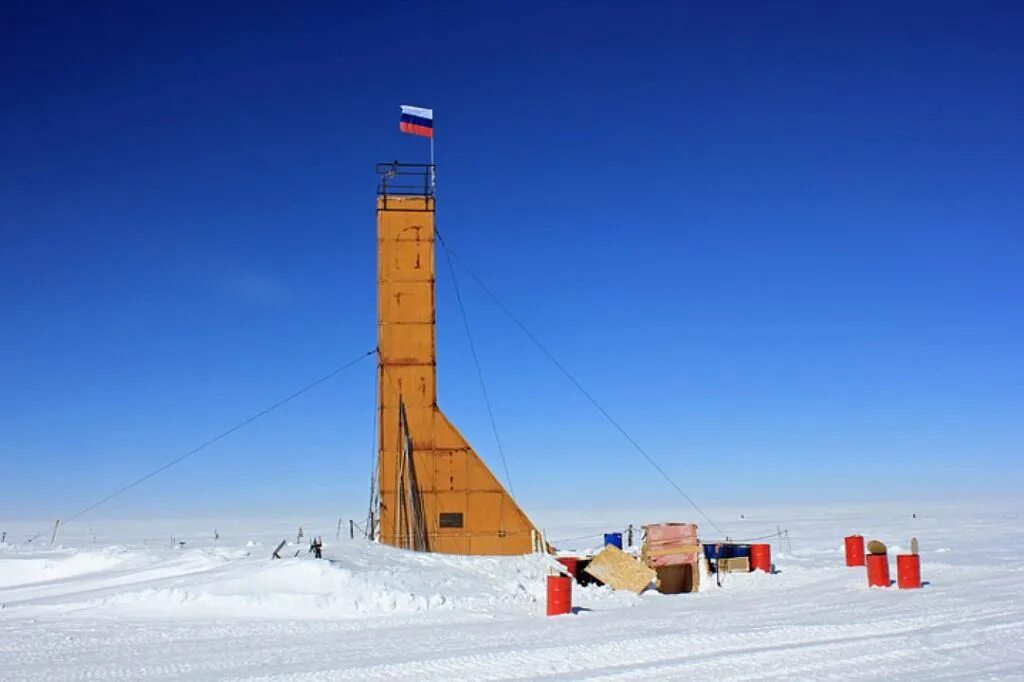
673 551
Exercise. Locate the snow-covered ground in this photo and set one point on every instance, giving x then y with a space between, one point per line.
116 601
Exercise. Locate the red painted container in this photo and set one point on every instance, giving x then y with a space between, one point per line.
761 558
855 550
559 595
908 571
571 563
878 570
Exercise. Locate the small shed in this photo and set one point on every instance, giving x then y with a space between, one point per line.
673 551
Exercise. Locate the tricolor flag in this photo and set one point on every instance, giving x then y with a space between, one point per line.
417 121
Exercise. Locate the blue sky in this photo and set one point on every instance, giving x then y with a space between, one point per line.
781 243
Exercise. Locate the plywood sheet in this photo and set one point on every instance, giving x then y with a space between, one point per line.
620 571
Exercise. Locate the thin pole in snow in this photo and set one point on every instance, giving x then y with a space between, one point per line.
433 177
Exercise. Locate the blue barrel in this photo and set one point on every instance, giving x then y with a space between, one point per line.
710 551
613 539
735 551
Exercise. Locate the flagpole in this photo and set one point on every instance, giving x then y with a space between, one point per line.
433 179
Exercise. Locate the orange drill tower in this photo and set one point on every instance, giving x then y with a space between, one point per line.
435 494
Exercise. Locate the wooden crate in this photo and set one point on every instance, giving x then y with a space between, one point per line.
740 564
669 544
678 578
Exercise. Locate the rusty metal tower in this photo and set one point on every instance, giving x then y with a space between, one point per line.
434 492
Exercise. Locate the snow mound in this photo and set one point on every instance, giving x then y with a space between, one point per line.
27 569
362 580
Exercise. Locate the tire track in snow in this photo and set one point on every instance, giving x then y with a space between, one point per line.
514 651
641 656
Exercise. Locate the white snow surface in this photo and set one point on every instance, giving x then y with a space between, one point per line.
111 601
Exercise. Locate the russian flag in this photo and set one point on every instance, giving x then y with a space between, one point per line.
417 121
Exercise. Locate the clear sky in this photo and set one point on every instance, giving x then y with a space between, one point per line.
780 242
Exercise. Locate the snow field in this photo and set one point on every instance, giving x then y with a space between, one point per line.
224 610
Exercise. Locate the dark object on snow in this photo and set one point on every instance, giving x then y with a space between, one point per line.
275 555
316 546
584 578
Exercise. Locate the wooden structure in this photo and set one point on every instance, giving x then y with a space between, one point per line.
434 492
677 579
736 564
673 551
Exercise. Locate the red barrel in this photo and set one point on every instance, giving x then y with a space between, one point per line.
761 557
878 570
559 595
571 564
908 571
855 550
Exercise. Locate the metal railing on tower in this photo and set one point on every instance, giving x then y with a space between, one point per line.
405 179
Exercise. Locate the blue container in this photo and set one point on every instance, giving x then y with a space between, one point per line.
613 539
710 551
735 551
